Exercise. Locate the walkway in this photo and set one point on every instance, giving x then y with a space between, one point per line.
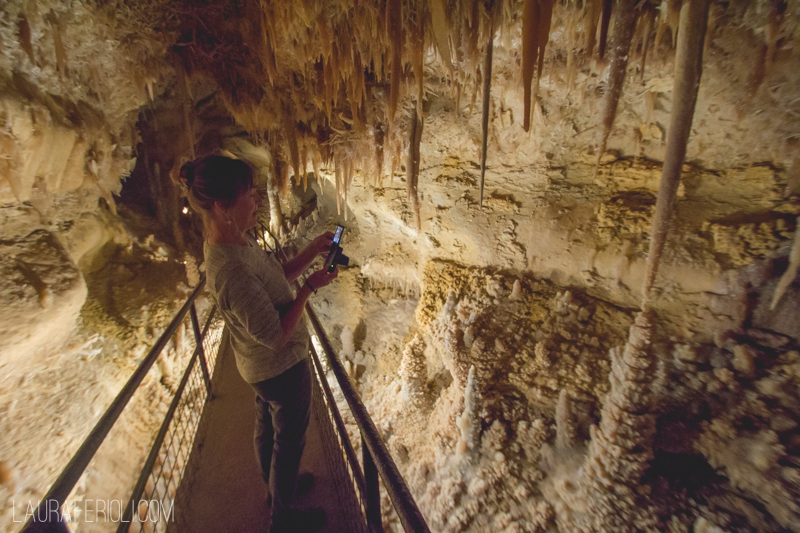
223 489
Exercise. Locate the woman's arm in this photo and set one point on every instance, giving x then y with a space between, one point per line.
291 317
242 294
299 263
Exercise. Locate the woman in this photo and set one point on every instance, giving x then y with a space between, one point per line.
265 322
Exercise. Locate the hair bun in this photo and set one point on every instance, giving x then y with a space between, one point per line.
187 174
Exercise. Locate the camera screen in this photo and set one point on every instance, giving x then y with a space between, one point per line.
337 237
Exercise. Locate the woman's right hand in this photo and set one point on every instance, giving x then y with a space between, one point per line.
322 277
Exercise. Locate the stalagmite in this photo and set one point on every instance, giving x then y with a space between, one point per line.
791 271
487 97
469 422
394 30
622 445
565 422
413 370
412 167
605 21
688 69
24 35
621 44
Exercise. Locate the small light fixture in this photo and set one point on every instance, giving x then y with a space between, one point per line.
185 210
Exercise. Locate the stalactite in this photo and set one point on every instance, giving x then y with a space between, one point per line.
572 42
304 164
688 69
604 22
58 42
441 31
282 170
648 19
337 173
346 178
487 97
674 20
791 271
793 178
649 105
394 30
661 28
593 13
329 74
412 167
273 194
290 131
713 18
530 49
766 58
268 46
315 157
380 137
416 40
624 26
536 19
543 32
188 107
24 35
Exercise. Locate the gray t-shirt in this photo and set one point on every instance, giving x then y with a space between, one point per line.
252 292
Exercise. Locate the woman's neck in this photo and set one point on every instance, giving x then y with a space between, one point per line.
217 235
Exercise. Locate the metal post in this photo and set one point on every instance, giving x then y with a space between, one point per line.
373 502
203 364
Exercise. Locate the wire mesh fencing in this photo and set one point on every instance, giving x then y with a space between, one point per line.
152 505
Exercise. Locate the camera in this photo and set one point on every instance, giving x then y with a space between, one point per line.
335 256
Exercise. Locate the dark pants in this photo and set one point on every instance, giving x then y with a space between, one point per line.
282 413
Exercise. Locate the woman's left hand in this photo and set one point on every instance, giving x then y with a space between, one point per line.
322 244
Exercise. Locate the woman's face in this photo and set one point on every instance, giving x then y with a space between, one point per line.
244 212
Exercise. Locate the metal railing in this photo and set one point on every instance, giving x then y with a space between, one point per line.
192 391
169 455
152 503
375 457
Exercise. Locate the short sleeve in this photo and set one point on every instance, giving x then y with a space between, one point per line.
245 297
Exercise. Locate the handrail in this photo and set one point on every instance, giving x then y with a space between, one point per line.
358 475
410 516
62 487
375 455
139 489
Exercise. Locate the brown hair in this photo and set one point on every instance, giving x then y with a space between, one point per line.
215 178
